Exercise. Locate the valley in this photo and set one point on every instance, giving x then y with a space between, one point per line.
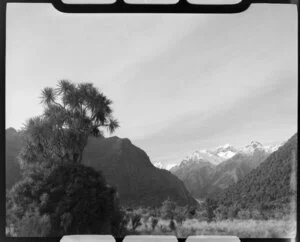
204 194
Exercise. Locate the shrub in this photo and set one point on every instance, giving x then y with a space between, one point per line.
256 214
136 220
167 209
154 222
278 213
210 206
33 224
191 212
180 214
244 214
76 198
154 212
172 225
220 213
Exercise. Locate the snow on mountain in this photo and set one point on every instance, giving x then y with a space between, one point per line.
210 171
215 156
272 148
170 166
225 152
255 146
160 165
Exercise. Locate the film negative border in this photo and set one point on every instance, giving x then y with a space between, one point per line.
182 7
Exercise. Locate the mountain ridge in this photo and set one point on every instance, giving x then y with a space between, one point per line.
223 174
128 167
222 153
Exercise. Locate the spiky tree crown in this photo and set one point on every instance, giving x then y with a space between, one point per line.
72 112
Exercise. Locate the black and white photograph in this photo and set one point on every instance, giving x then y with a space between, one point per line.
151 124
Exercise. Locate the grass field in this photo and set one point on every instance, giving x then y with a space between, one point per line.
241 228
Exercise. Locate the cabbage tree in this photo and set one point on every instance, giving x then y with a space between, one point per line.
72 113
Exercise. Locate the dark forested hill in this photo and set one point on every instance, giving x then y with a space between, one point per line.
271 184
234 169
129 169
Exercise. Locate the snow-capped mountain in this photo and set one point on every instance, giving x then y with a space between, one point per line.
252 147
160 165
210 171
215 156
257 146
227 151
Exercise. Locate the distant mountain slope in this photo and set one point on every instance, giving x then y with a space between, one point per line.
13 145
129 169
202 178
235 168
196 175
274 180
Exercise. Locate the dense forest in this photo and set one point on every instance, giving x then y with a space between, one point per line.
269 187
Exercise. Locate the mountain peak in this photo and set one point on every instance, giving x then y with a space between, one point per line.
214 156
256 143
226 147
253 146
225 152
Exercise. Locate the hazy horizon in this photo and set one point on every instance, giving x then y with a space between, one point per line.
179 83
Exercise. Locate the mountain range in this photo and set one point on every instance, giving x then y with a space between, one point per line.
124 166
224 171
207 172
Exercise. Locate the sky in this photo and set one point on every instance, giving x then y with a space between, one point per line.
178 82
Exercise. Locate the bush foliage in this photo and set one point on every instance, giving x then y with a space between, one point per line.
75 198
